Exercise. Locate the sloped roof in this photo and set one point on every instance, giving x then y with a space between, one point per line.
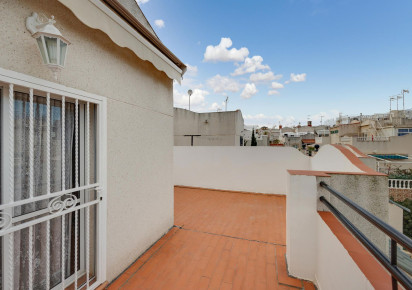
130 11
134 9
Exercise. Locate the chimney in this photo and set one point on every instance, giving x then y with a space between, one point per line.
309 123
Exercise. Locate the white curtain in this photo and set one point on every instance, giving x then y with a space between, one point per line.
21 184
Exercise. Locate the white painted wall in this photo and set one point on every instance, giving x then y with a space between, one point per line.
313 251
332 159
139 98
301 226
396 217
335 268
251 169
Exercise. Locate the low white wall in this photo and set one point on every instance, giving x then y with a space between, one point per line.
250 169
396 217
332 159
313 252
301 226
335 268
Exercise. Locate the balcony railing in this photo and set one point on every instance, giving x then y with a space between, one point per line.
373 139
395 236
400 183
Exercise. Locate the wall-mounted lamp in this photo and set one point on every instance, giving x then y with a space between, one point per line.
53 46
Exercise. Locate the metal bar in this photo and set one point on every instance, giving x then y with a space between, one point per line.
87 247
384 227
394 262
31 146
30 257
76 141
48 173
43 197
87 143
63 250
11 184
76 235
399 275
46 218
399 205
63 142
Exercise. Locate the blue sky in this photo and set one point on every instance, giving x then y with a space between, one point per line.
334 56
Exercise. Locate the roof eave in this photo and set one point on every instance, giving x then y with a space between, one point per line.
133 22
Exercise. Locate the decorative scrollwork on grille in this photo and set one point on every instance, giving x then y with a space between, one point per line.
5 220
58 205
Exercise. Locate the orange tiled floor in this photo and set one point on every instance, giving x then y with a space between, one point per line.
222 240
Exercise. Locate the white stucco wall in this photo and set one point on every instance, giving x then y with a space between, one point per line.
313 251
335 268
332 159
139 98
251 169
396 217
215 128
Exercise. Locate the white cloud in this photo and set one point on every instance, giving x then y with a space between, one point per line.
216 107
221 52
221 84
191 69
296 78
269 121
264 77
159 22
197 99
142 1
250 66
276 85
249 91
273 92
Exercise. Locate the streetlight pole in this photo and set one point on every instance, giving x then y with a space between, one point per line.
189 92
403 98
227 99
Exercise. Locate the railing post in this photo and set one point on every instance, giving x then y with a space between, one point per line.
394 262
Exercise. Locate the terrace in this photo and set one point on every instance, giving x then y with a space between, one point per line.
268 228
221 240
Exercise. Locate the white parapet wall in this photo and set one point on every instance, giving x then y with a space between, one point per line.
250 169
335 268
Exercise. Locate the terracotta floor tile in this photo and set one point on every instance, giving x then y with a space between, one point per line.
226 241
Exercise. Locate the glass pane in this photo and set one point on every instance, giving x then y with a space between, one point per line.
63 49
51 45
41 47
21 149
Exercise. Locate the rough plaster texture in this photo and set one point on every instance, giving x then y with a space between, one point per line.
215 128
140 204
251 169
369 192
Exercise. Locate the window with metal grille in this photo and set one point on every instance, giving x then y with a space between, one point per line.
52 202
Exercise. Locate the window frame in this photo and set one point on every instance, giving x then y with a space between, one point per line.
22 82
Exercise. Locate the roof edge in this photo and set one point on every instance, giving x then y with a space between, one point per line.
133 22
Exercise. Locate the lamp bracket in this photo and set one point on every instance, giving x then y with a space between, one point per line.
35 22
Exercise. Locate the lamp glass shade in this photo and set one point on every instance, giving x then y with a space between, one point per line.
63 50
42 50
51 46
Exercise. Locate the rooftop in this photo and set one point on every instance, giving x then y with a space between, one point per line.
221 240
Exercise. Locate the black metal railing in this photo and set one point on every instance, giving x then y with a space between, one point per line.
395 236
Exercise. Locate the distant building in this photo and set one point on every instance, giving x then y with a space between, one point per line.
208 129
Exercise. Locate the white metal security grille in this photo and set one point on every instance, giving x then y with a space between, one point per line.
52 218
